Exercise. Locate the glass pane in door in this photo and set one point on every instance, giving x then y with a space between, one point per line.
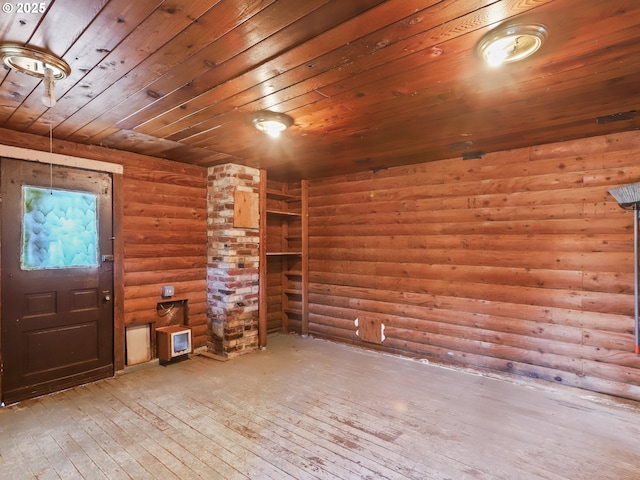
59 229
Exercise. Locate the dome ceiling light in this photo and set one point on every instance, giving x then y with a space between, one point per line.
37 63
511 43
272 123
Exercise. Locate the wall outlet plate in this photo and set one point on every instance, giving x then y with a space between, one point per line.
167 291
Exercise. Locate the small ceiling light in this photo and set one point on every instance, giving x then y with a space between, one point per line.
511 43
37 63
272 123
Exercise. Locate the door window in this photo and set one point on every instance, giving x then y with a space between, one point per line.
59 229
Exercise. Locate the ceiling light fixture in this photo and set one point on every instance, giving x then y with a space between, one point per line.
272 123
37 63
511 43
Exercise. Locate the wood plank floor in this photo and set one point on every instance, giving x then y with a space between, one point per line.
310 409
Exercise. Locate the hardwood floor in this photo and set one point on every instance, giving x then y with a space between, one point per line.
308 409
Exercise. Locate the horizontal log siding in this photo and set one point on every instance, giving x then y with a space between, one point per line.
165 241
520 261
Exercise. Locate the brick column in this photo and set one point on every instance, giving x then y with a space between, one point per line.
232 264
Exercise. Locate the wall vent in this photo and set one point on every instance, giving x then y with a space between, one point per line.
472 155
616 117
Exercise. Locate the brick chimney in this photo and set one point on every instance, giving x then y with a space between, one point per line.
232 261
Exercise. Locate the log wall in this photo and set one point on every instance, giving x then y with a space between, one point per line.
165 242
519 262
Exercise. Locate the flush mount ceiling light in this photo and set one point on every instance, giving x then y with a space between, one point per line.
511 43
37 63
272 123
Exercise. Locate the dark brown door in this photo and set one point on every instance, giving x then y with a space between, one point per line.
57 278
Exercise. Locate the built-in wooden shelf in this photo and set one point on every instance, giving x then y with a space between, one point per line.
284 283
284 213
278 195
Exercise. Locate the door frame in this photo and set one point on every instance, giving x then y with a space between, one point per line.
116 170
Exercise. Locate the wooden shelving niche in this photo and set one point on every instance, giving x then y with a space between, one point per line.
283 258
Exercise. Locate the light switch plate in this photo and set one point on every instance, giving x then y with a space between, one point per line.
167 291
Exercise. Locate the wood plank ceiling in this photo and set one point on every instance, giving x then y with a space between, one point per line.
370 83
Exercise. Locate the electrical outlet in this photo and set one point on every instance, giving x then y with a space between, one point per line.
167 291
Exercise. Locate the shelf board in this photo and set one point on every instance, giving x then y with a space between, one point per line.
293 273
283 253
281 195
286 214
292 291
293 311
